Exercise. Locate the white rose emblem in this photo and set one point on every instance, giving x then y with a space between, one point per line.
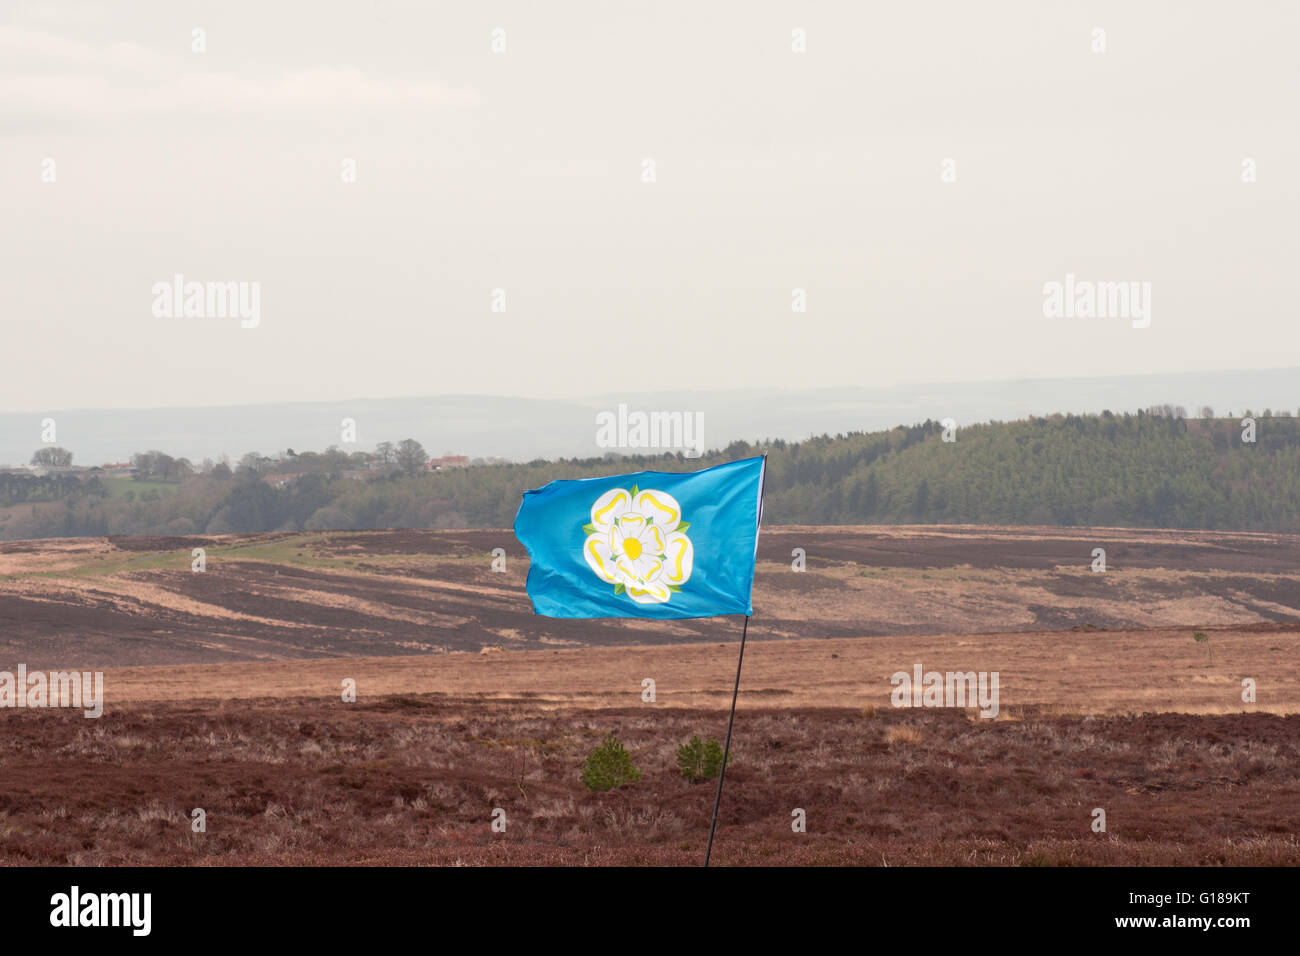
636 541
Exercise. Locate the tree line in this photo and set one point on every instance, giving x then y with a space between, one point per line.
1150 469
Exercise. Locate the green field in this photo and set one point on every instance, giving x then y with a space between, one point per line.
118 487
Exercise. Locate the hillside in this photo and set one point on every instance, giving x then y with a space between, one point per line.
222 690
137 601
1159 471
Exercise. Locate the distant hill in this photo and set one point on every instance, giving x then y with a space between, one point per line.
520 429
1140 470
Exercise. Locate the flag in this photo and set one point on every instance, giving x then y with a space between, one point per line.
649 544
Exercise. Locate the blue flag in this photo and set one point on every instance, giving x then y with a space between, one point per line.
649 544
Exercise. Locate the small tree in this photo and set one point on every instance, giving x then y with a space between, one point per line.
252 465
700 759
1201 637
411 456
609 766
52 457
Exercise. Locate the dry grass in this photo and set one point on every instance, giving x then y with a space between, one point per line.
416 780
1126 672
903 735
102 602
1137 720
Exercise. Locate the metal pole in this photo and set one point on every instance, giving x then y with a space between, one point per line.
726 751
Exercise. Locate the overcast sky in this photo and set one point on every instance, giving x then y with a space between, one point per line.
524 171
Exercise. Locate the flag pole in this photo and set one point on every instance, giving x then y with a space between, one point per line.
735 693
717 799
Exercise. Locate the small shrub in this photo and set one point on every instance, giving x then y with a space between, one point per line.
700 759
1202 638
902 735
608 766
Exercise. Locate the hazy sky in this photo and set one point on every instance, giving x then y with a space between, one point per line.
523 171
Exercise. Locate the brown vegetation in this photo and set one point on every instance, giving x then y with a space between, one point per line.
223 692
415 779
107 602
